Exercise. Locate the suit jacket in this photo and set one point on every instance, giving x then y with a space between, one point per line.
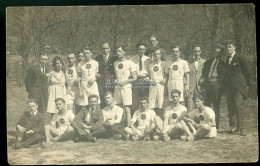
237 76
36 82
221 68
195 75
97 117
106 69
29 122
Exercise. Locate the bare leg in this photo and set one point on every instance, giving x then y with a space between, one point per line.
158 124
49 132
67 134
128 115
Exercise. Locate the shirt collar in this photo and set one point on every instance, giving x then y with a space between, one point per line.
106 56
198 58
33 113
232 55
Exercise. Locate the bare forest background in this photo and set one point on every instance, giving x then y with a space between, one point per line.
31 31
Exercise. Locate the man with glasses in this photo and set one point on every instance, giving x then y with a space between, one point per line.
196 64
154 43
141 85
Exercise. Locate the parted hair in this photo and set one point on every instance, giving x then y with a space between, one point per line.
198 96
92 96
59 99
31 100
175 91
109 93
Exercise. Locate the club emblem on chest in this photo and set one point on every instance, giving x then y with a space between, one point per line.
120 66
155 68
61 121
174 116
201 117
88 66
175 67
143 116
70 71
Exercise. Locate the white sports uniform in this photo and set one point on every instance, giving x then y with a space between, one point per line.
72 89
123 70
89 71
204 118
144 119
156 92
173 114
63 121
176 72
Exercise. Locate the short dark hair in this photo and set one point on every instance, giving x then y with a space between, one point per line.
143 98
105 43
155 49
87 48
153 35
55 59
59 99
198 96
108 93
140 44
121 46
31 100
70 52
233 42
175 91
92 96
176 46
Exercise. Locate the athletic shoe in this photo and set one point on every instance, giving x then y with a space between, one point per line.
146 138
166 138
190 138
117 136
184 137
92 139
156 137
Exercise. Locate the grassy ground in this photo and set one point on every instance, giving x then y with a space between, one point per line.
223 148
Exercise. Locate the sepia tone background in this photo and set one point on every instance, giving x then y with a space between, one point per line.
31 31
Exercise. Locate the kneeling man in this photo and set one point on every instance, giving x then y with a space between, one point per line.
30 127
145 118
88 120
60 128
203 119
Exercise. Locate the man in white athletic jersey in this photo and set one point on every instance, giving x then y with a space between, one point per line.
88 78
157 79
173 125
72 82
175 71
125 74
203 119
145 118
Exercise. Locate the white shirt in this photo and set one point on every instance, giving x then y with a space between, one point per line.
71 75
196 62
123 70
176 69
145 64
34 113
203 117
89 70
174 113
114 113
145 118
230 59
157 71
63 120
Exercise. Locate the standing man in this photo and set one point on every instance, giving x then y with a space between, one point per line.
36 83
88 120
30 127
212 81
106 70
236 81
125 74
157 79
155 44
141 85
177 73
72 81
196 64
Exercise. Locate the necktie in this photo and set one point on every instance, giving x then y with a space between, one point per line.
43 70
229 59
140 64
214 67
106 59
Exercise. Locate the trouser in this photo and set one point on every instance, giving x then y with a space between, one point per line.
29 139
78 129
235 112
139 89
189 100
213 96
106 131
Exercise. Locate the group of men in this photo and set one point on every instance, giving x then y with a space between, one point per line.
130 98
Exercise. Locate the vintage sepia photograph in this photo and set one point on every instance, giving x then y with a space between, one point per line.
131 84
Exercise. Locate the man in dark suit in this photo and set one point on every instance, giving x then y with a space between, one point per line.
30 127
88 120
106 71
196 64
236 82
212 81
36 83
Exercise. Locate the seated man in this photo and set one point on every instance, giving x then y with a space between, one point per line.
112 124
60 128
203 119
30 127
87 120
173 125
145 118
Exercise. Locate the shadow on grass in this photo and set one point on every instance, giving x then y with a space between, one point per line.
12 139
